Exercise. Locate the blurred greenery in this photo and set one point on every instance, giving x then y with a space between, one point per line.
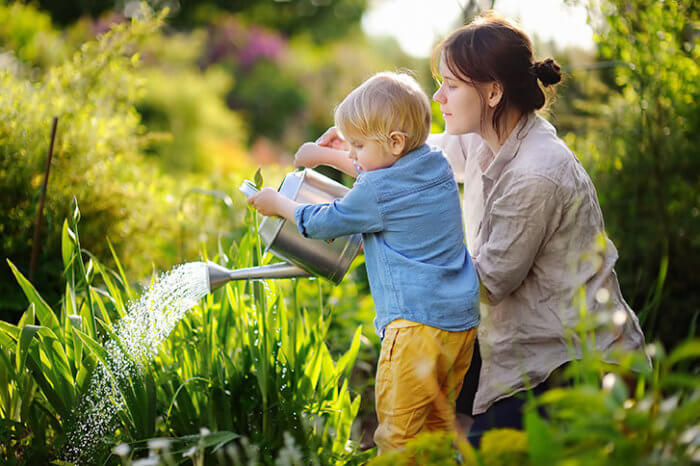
644 158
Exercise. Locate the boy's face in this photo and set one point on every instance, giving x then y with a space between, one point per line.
368 155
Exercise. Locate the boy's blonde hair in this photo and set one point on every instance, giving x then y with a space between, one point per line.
385 103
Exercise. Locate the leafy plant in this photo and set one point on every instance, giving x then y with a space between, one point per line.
244 363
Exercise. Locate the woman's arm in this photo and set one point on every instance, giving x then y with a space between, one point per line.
516 227
311 155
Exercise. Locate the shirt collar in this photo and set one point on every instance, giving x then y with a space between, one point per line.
508 150
409 156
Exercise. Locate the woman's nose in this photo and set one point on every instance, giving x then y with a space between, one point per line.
439 96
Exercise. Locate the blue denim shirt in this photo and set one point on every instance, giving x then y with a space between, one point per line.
410 218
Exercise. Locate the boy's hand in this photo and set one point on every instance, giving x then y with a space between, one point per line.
266 201
332 139
306 156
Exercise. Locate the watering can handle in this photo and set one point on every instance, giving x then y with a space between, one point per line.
248 188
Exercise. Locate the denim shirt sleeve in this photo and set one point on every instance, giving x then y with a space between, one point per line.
357 212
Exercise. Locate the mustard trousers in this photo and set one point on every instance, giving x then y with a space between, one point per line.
419 376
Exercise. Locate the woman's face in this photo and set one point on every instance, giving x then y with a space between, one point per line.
460 103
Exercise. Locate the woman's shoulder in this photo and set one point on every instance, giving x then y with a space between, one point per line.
455 144
543 153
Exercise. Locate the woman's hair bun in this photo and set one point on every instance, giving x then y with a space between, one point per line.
547 71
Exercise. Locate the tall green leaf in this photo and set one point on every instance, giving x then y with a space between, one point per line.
44 313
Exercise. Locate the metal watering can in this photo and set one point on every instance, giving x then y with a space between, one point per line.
304 257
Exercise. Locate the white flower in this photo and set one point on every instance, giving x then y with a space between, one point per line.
651 349
121 450
146 462
609 380
159 444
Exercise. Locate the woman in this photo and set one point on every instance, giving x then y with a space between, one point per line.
532 218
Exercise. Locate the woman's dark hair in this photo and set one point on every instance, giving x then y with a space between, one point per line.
492 48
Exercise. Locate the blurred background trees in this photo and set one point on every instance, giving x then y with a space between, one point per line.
160 119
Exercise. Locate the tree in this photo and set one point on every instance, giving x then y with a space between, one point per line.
645 160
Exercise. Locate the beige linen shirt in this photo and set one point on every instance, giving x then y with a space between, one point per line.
535 232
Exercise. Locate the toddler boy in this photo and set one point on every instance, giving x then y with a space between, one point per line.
406 204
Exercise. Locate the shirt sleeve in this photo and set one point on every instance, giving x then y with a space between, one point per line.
357 212
453 149
517 226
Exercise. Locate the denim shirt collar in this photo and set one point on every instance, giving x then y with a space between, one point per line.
405 160
409 157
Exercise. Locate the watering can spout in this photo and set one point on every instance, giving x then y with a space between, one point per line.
218 275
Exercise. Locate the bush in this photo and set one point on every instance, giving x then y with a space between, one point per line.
28 36
98 158
644 161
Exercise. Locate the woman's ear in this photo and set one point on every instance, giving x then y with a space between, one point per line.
397 142
494 93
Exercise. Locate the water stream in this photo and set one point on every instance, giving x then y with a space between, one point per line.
139 334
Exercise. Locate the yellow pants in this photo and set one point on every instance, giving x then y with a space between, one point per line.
419 376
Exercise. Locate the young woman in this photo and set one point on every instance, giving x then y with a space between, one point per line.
533 223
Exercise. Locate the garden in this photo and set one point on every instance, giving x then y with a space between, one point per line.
115 350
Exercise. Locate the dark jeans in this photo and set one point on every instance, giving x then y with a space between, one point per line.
505 413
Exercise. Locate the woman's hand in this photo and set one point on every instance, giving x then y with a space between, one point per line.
266 201
332 139
306 156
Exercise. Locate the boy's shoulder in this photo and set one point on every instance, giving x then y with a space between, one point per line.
424 168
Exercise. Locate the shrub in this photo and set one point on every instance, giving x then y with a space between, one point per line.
97 158
644 161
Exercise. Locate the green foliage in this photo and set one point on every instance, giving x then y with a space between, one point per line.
187 108
99 152
95 154
327 20
45 369
646 417
29 36
269 98
502 447
430 448
644 160
246 364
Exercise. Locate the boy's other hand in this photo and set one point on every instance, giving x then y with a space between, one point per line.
306 156
332 139
266 201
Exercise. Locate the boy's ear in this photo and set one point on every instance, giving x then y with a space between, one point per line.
397 142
